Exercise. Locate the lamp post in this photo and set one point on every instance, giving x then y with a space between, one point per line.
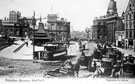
34 23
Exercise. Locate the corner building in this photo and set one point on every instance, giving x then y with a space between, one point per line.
129 18
104 27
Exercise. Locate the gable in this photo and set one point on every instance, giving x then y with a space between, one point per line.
131 4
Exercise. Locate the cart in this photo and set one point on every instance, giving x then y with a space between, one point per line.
107 64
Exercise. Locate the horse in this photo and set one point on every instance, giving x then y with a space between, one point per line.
98 72
73 69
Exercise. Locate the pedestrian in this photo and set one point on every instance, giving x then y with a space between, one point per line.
27 43
95 65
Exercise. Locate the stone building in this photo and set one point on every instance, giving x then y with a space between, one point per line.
7 28
99 29
13 16
59 29
16 25
25 25
129 18
104 27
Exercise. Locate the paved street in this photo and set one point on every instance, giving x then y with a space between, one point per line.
22 59
21 63
23 53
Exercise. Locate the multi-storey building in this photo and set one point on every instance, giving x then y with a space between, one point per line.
99 29
13 16
59 29
25 25
129 18
17 25
104 28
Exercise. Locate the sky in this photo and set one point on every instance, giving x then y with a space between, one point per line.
80 13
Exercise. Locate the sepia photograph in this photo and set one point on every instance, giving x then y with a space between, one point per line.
77 41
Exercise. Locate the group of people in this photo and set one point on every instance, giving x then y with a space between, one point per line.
113 69
118 66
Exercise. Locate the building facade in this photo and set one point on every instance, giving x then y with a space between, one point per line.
13 16
104 27
16 25
129 18
99 29
77 35
59 29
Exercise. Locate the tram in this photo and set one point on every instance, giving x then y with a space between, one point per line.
51 50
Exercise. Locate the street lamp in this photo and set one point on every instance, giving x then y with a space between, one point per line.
34 23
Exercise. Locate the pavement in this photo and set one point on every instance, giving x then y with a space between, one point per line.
25 53
126 51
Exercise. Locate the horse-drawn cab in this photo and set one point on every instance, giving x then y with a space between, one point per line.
129 66
107 64
97 54
114 54
103 50
119 54
84 60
